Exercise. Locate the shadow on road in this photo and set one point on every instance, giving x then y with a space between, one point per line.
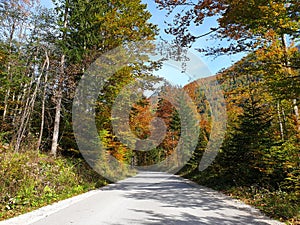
191 205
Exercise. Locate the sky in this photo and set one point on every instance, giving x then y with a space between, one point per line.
47 3
214 64
210 65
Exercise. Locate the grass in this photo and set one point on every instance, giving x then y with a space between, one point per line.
30 180
276 204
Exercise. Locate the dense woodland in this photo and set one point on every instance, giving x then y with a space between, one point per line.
259 158
45 52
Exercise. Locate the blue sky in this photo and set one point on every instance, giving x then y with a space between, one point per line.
47 3
214 64
209 65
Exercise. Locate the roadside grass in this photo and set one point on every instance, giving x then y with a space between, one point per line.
30 180
277 204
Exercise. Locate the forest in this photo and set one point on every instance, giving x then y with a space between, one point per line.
44 53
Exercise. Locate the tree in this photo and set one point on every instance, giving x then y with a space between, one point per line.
259 147
245 23
19 74
247 26
84 38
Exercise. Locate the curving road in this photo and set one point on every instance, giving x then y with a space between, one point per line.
147 199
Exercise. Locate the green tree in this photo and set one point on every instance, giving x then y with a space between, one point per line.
84 38
247 26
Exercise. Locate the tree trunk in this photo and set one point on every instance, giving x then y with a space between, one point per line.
296 115
56 123
6 104
280 121
25 114
295 106
58 93
43 104
30 102
7 94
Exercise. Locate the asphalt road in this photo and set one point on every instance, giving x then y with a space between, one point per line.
154 198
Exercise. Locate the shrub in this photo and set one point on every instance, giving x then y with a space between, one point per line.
30 180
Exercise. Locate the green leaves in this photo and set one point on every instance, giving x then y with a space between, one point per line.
30 181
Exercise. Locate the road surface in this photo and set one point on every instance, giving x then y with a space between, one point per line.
150 198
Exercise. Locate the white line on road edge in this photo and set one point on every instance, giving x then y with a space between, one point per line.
38 214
